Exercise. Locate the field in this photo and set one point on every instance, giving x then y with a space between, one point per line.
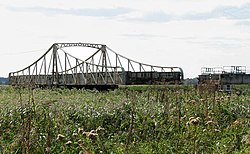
173 119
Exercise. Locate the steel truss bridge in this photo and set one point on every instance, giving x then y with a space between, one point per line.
104 69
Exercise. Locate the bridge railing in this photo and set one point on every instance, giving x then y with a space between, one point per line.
60 68
104 67
135 66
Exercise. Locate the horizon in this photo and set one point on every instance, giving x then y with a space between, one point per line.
190 35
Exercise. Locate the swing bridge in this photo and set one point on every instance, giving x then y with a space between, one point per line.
104 69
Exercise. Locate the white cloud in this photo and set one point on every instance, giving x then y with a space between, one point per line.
102 12
243 23
150 12
230 12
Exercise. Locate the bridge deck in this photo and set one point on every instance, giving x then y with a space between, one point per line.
77 80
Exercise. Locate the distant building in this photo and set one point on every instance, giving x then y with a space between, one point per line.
224 76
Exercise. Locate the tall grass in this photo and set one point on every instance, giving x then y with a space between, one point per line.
127 120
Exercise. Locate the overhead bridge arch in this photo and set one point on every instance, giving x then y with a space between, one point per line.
104 68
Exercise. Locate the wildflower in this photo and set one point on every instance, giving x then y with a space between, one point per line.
210 122
85 134
236 122
194 121
246 139
48 149
92 136
80 141
191 118
80 130
68 143
183 118
74 134
93 131
217 130
60 137
100 130
238 92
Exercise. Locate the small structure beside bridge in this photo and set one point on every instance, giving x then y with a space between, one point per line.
224 76
104 69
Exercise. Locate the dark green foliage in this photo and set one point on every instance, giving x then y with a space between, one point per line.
128 120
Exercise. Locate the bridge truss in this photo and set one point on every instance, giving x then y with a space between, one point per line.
58 67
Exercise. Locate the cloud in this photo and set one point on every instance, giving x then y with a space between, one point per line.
52 37
160 16
243 23
143 35
217 42
102 12
242 12
229 12
152 17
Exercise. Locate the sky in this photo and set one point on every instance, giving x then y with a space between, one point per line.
186 33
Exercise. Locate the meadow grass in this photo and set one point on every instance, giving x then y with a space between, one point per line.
151 119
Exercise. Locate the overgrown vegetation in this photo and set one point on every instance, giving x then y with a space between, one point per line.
127 120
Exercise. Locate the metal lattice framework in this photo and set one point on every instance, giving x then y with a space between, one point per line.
57 67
